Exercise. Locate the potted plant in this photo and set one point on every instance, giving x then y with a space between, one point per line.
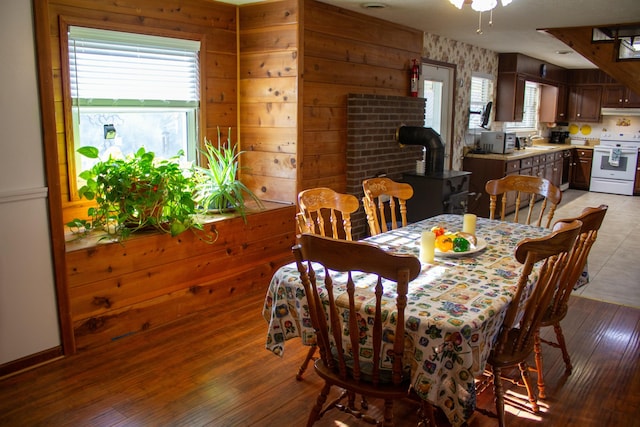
137 192
218 188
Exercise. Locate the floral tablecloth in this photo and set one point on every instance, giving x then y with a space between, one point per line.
454 311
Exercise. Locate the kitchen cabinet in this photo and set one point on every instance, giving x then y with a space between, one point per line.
581 173
584 103
556 169
488 167
510 97
618 96
561 103
514 69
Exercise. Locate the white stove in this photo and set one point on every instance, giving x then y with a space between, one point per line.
614 163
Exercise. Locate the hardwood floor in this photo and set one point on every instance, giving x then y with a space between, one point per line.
211 369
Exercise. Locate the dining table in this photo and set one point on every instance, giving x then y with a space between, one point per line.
454 311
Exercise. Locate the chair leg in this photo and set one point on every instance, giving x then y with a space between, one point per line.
563 347
539 370
499 395
305 362
425 415
524 372
317 408
388 413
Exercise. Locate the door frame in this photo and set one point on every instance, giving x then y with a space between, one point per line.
451 97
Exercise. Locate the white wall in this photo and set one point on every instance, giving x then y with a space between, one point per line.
28 312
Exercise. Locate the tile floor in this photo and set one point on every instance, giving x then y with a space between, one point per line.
614 261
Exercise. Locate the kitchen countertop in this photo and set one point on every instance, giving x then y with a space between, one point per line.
537 149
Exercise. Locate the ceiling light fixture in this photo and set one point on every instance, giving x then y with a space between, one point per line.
481 6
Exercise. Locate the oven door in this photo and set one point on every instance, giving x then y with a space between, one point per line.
605 166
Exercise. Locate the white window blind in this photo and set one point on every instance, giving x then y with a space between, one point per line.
116 68
481 93
530 109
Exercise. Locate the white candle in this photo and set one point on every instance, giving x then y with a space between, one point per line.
427 246
469 224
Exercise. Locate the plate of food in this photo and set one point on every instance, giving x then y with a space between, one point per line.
455 244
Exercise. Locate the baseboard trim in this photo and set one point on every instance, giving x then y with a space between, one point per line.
30 362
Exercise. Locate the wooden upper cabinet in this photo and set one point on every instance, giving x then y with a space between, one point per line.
584 103
618 96
561 103
548 103
514 69
510 97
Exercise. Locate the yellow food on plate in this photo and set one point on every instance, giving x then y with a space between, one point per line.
446 242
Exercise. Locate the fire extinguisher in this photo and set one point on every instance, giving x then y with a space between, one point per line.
414 79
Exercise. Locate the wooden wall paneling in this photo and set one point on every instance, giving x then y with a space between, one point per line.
118 324
345 52
269 119
88 262
279 165
140 285
341 23
133 290
270 39
328 141
274 140
270 114
325 118
190 12
270 14
324 165
269 64
354 51
271 188
336 182
329 94
348 73
282 89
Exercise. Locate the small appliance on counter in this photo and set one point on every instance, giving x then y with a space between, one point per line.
559 137
498 142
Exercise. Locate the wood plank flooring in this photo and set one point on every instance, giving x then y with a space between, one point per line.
211 369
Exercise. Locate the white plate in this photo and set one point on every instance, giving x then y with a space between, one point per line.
480 245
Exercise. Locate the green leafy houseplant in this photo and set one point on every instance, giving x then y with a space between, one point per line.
137 192
217 186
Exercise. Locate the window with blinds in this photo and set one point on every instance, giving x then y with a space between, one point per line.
131 90
530 110
481 94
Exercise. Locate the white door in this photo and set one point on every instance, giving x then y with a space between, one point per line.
436 86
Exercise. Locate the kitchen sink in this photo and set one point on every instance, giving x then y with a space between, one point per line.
541 147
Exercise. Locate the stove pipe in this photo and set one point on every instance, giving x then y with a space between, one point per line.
430 140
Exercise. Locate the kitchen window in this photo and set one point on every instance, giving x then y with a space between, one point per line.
531 110
481 94
130 91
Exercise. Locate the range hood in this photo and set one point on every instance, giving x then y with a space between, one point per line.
620 112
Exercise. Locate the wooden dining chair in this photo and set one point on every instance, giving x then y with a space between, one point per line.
324 211
522 190
591 219
339 323
515 340
384 196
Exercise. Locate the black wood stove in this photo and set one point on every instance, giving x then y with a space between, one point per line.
437 191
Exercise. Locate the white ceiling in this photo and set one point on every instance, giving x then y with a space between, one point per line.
514 26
